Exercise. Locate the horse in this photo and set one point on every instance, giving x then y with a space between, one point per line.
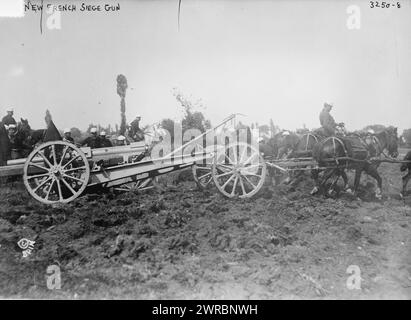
406 166
27 139
352 153
279 145
4 145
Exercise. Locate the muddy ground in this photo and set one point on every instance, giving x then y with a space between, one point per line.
183 243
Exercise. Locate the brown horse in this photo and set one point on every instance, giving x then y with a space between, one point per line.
352 153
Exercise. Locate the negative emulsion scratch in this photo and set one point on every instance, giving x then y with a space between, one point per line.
41 17
178 17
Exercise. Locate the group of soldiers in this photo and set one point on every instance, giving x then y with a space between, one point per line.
100 140
94 140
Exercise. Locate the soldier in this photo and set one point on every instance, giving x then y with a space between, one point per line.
8 119
136 133
121 141
67 136
327 121
93 140
104 142
14 144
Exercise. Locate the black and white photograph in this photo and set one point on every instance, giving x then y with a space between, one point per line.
205 150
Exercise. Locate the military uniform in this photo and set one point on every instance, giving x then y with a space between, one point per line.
105 143
8 120
328 123
93 142
68 139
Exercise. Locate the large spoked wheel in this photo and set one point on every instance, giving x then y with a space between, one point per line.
138 186
56 172
239 171
202 174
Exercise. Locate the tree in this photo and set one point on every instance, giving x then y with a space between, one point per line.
75 133
406 134
121 91
376 127
192 119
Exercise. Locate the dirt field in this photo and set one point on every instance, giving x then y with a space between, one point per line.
183 243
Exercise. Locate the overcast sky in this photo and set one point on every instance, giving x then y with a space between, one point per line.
265 59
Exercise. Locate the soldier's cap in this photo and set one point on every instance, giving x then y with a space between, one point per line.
138 117
93 130
9 109
67 130
286 133
330 104
103 133
12 126
121 138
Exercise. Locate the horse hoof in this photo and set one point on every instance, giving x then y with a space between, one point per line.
349 191
401 196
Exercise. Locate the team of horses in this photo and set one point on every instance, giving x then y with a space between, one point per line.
24 140
334 155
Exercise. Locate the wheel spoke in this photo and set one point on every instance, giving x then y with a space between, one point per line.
74 158
37 176
38 166
53 148
224 166
68 186
203 176
224 174
234 186
41 184
242 185
229 159
45 159
64 154
74 178
51 187
59 189
226 183
248 180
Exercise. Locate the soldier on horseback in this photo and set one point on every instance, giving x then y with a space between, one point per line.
135 133
327 121
8 119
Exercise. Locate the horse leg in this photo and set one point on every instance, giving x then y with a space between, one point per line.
345 178
327 175
405 180
358 172
372 171
315 177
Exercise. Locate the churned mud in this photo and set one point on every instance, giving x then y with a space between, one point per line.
178 242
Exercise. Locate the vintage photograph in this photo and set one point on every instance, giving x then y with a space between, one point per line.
205 150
